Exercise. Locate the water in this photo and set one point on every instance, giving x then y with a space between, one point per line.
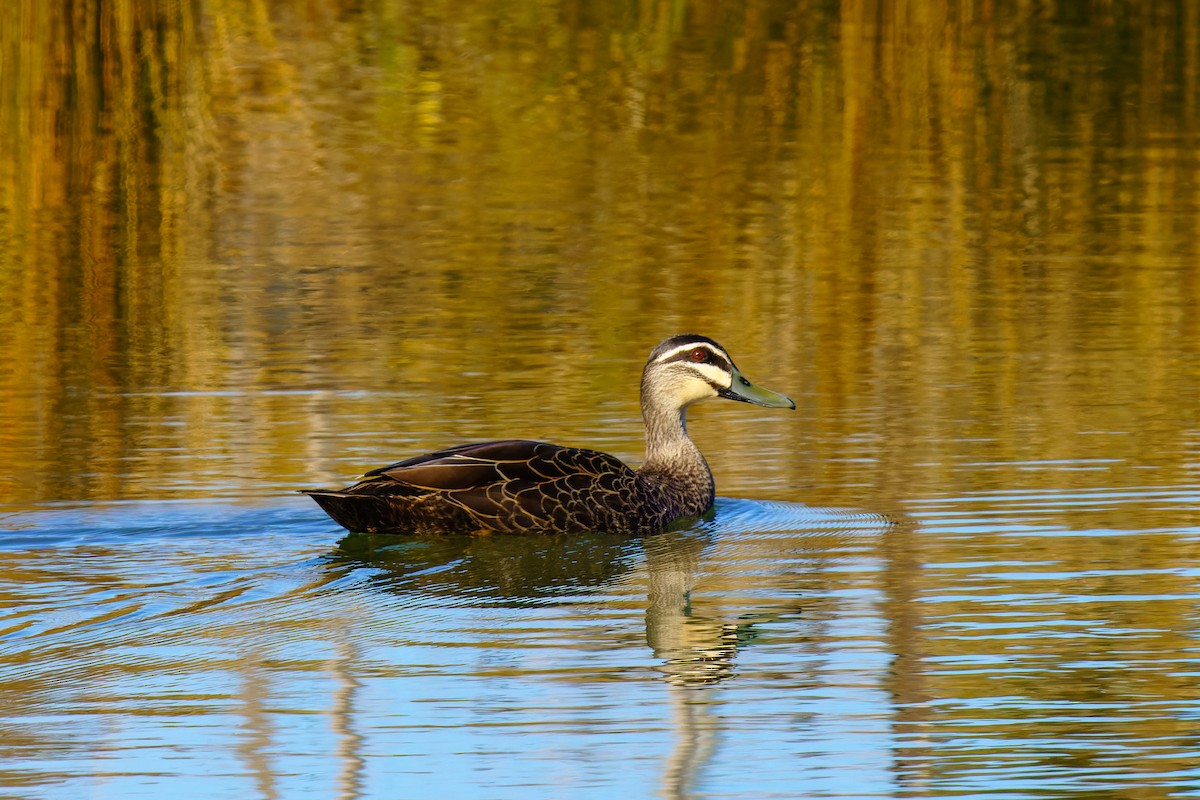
838 653
250 249
202 635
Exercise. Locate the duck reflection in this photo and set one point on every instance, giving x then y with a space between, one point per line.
499 569
692 649
707 590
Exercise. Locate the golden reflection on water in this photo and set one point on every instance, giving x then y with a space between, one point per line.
959 250
246 248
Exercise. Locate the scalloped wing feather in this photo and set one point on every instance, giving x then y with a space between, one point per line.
511 486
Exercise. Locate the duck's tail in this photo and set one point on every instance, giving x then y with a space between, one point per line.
357 513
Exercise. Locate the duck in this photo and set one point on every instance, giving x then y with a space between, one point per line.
519 486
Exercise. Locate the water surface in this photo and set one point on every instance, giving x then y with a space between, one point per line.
252 248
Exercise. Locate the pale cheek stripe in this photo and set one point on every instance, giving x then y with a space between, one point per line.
713 374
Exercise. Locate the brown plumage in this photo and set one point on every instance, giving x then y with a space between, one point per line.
518 486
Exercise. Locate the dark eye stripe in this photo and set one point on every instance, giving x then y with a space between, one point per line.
716 359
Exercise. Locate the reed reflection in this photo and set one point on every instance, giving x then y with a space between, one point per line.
908 228
343 716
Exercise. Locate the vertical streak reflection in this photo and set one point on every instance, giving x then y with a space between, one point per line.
254 746
349 745
906 679
696 729
696 653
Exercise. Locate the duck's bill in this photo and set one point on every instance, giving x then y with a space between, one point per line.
747 392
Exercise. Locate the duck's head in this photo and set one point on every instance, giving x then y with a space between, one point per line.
688 368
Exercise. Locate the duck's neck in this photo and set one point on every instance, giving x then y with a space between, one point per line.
669 450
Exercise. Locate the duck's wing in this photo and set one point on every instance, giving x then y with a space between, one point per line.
470 466
511 485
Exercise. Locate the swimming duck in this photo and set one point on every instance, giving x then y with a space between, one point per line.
519 486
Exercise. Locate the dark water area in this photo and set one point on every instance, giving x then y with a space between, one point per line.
251 248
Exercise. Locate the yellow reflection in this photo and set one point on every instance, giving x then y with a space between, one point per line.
246 250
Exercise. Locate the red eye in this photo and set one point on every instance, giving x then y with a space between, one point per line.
699 354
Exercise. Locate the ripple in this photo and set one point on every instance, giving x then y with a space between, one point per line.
740 516
957 632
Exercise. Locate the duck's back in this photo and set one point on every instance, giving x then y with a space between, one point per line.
506 486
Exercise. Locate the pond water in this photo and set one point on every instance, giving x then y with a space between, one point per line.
251 248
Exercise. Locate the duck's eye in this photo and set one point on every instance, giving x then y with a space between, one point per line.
699 354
